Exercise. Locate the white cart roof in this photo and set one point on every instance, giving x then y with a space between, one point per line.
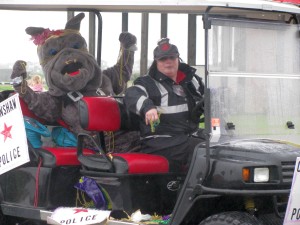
167 6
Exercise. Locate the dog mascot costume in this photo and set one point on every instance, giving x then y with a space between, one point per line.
69 68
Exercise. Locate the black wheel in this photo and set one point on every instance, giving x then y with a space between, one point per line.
271 219
231 218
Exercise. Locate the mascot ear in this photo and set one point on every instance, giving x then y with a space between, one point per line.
33 31
74 23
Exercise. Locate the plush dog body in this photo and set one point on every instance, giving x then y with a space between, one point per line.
69 68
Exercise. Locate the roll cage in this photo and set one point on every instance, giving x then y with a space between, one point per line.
212 13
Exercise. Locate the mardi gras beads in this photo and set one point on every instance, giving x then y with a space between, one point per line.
154 124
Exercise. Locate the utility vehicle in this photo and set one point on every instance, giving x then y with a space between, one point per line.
243 172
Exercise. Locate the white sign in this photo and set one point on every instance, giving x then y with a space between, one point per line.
292 215
13 141
78 216
215 129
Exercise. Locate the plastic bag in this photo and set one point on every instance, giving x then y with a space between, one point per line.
91 188
62 137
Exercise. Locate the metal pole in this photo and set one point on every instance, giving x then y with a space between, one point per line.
164 25
92 33
144 43
124 22
192 26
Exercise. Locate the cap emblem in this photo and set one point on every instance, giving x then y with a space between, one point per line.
165 47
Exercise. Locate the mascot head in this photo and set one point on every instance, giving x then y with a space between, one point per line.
65 60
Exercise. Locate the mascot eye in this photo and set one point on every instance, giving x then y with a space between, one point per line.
76 46
53 51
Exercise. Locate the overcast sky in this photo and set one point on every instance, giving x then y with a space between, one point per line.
16 43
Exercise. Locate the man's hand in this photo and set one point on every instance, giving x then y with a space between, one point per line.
151 116
127 39
197 111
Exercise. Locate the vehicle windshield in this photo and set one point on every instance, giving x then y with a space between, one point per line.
254 78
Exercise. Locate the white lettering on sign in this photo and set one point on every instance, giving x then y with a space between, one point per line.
292 215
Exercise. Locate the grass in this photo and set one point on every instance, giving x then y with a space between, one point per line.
4 87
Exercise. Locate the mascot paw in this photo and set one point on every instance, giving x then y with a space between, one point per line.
19 70
127 39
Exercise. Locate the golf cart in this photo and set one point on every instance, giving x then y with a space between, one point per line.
242 174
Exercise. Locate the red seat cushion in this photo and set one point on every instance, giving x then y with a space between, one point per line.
124 163
140 163
66 156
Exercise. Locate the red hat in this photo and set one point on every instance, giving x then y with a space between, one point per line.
165 49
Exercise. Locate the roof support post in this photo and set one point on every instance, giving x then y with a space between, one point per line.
164 25
144 43
92 32
191 60
124 22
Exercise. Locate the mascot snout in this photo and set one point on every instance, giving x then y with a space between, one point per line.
72 68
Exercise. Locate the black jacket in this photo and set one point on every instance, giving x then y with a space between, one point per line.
155 90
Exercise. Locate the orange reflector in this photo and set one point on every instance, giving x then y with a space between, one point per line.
246 175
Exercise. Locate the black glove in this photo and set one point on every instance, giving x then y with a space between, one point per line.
19 72
197 111
127 39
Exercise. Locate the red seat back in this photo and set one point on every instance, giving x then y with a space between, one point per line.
27 112
99 113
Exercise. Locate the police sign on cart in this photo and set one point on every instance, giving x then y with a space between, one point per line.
13 142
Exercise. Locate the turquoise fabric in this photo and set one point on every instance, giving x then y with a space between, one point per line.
63 137
34 131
